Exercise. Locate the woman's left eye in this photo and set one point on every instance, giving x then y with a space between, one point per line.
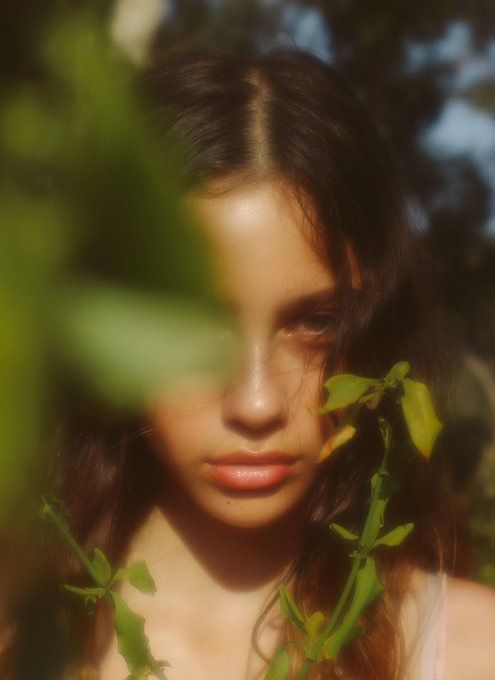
317 325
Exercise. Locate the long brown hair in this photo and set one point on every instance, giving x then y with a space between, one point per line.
287 115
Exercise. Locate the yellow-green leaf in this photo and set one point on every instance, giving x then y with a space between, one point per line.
138 576
420 416
133 644
102 567
290 609
85 592
342 532
345 389
396 536
338 438
314 624
398 371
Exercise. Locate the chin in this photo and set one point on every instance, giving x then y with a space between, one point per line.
251 511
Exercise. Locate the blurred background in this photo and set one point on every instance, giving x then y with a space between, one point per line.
426 72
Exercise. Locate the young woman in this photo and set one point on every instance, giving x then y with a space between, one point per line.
221 488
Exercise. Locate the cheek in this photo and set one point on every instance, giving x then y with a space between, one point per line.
306 420
184 420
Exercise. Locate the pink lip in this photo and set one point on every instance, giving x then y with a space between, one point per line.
246 471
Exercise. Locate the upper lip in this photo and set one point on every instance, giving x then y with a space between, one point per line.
254 458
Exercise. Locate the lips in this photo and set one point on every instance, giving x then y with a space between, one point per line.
242 470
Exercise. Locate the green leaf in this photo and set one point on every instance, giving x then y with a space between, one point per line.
314 624
279 665
396 536
138 576
377 511
130 343
132 642
345 389
336 439
341 637
342 532
90 595
290 609
368 587
398 372
420 416
102 567
85 592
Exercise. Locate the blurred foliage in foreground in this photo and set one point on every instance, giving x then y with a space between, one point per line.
102 276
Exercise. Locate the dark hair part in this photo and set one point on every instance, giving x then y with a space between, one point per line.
287 116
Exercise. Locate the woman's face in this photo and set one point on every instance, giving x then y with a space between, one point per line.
246 448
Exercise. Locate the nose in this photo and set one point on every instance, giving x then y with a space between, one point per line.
254 402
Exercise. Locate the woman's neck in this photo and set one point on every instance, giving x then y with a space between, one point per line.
189 551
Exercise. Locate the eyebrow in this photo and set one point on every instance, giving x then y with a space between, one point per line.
298 304
308 301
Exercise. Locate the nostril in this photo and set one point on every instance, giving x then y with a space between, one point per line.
251 431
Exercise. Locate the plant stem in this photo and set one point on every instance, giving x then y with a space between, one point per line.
367 534
304 670
49 513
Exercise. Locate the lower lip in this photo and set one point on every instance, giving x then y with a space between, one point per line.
252 476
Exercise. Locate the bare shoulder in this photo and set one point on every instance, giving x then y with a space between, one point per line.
470 650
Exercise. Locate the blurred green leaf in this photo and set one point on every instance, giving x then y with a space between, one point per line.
129 344
90 193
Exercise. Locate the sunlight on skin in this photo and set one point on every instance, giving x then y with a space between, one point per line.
264 265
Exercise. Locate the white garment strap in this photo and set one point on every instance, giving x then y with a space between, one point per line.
434 628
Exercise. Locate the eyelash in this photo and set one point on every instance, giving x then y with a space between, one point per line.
322 334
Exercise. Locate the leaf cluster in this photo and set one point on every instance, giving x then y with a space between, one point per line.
326 634
132 641
346 390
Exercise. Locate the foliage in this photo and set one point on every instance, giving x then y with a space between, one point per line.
326 635
133 644
104 281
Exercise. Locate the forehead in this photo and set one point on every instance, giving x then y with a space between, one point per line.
261 243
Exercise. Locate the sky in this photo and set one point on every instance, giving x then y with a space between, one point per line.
461 128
